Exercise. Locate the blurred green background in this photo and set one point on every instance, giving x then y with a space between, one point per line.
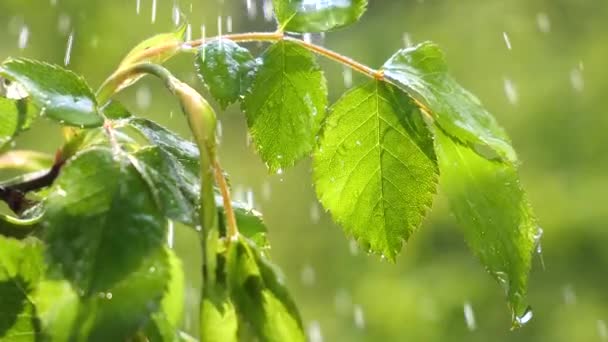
548 91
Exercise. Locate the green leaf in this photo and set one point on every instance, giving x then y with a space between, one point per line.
218 315
20 269
286 104
375 169
226 68
494 212
422 72
25 160
101 221
173 39
15 117
115 110
165 182
250 224
317 16
59 93
116 314
259 295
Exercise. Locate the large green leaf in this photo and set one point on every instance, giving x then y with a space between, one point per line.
286 104
317 16
59 93
260 296
116 314
375 169
101 221
422 71
20 269
493 209
226 68
15 116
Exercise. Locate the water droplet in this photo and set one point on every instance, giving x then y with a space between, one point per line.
64 23
314 332
143 97
315 213
569 295
347 76
523 319
543 22
266 190
505 36
308 276
469 316
342 302
152 269
109 295
252 10
602 330
576 79
353 247
280 171
68 50
268 10
539 249
249 199
61 192
307 37
219 129
137 6
359 317
176 14
153 11
407 40
188 32
24 35
511 91
170 233
229 24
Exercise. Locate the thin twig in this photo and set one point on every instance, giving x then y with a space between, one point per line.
220 180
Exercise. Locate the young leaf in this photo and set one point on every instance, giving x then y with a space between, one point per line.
375 169
422 72
20 269
61 94
251 225
172 39
226 68
286 104
15 116
101 220
218 315
259 295
317 16
494 212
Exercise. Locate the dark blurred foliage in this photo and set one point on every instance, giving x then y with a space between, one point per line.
555 74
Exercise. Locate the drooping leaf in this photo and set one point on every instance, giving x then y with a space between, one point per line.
286 104
422 72
102 221
226 68
317 16
259 294
59 93
164 180
219 321
493 210
116 314
15 117
375 169
20 269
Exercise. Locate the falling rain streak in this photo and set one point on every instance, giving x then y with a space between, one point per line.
505 36
510 91
68 50
469 316
314 332
153 11
24 35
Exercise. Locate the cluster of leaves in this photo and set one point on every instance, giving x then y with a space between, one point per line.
95 263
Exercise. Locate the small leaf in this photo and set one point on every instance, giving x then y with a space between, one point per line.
493 209
115 110
250 224
101 220
375 169
218 315
173 39
226 68
259 295
15 117
20 269
59 93
286 104
317 16
422 72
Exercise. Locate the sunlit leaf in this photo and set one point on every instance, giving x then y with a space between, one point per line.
20 269
102 221
226 68
286 104
15 116
494 212
375 168
259 294
317 16
59 93
173 40
219 321
423 72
